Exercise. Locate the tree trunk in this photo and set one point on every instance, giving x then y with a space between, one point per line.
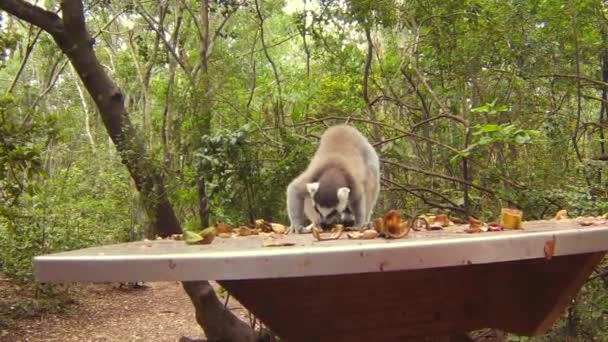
218 323
74 40
72 37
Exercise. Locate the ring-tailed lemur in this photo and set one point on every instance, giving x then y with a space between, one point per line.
339 186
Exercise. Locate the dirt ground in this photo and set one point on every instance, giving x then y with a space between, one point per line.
104 312
159 312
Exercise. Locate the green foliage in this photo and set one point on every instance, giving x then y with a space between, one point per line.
21 146
495 82
489 134
84 204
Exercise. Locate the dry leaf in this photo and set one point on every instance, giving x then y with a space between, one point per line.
549 248
511 218
561 215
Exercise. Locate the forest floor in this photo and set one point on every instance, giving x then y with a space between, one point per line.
159 311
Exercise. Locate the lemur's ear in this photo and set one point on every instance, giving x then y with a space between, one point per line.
343 194
312 188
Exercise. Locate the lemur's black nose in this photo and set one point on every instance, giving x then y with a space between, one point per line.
325 225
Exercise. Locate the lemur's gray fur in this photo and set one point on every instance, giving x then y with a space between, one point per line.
340 185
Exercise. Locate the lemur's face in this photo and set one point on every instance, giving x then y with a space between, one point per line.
340 213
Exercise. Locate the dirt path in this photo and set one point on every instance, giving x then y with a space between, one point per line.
158 312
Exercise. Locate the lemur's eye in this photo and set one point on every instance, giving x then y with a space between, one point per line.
333 213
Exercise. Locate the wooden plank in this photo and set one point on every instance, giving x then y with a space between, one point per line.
523 297
245 258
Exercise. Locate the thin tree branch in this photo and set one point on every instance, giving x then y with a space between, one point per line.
46 20
179 61
440 116
366 72
272 64
599 84
28 53
253 73
579 107
453 206
438 175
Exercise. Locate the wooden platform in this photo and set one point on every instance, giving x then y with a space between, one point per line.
431 283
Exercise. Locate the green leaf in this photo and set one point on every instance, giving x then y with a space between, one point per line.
487 128
501 108
522 138
485 140
480 109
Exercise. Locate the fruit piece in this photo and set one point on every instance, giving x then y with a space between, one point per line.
494 227
354 235
421 222
473 230
369 234
585 223
278 228
561 215
276 240
316 233
263 226
205 237
435 226
336 232
208 235
392 219
475 223
245 231
404 229
379 225
510 218
549 248
192 238
442 220
222 228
